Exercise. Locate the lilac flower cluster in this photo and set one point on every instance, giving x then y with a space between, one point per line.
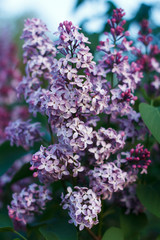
29 201
83 206
64 84
4 120
10 76
22 133
107 141
107 179
136 159
139 158
9 68
55 162
147 59
124 77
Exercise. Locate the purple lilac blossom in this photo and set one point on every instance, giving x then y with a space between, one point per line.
124 76
64 84
107 179
55 162
29 201
147 59
22 133
107 141
83 205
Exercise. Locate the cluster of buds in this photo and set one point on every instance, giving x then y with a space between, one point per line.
145 32
128 96
116 23
147 59
139 158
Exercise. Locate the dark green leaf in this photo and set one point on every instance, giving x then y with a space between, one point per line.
132 225
158 238
150 198
48 233
113 233
157 101
59 230
22 173
6 229
143 12
8 155
151 117
5 221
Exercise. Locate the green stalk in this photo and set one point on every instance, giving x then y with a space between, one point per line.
51 133
20 235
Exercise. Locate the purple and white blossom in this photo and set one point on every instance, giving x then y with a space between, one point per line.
22 133
83 206
55 162
107 141
29 201
107 179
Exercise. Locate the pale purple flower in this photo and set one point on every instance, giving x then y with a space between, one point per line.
107 179
83 206
55 162
22 133
29 201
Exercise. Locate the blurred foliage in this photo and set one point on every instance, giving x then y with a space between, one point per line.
144 11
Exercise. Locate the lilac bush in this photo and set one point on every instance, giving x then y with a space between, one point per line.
93 162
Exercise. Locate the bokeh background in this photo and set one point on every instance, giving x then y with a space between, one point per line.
91 15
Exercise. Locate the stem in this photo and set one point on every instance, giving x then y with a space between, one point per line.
108 120
51 133
100 222
64 185
78 234
109 211
92 234
112 81
20 235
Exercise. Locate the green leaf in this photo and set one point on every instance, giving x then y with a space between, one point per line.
8 155
5 221
6 229
48 233
157 101
132 224
150 198
113 233
59 230
158 238
23 172
151 117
